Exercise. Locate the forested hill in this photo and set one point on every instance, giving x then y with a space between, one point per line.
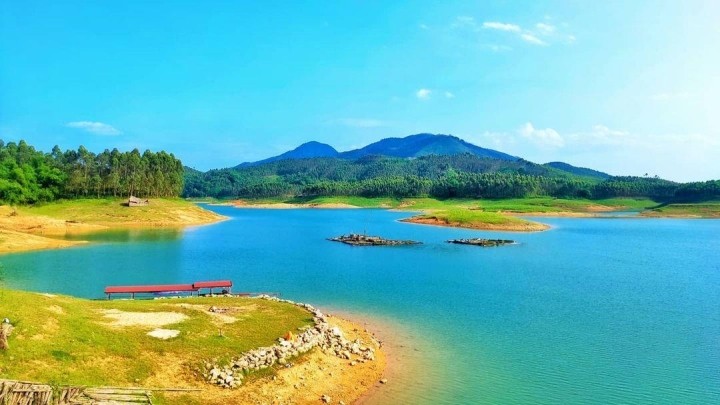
29 176
408 147
438 176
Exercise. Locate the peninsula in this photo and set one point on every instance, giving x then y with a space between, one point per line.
210 350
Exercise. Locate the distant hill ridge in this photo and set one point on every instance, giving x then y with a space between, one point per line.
407 147
414 146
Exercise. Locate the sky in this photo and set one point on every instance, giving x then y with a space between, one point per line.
627 87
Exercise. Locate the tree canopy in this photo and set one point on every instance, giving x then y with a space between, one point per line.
28 176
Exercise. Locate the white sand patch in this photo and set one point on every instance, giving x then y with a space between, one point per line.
164 334
152 319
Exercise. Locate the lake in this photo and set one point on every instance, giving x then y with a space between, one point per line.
612 310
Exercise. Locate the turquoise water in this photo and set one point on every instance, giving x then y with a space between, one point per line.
616 310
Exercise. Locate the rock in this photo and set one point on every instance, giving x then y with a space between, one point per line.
383 381
326 399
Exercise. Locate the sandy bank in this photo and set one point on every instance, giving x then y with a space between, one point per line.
28 228
310 377
511 227
12 241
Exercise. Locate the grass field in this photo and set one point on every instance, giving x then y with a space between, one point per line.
111 211
64 340
701 210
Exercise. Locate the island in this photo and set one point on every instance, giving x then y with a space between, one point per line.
355 239
482 242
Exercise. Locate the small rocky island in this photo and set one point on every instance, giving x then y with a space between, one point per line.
482 242
364 240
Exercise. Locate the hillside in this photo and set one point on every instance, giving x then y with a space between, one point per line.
423 145
579 171
307 150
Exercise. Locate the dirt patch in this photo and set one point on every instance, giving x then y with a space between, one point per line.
164 334
56 310
222 315
149 319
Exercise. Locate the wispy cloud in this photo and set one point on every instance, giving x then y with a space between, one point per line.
360 122
423 94
449 94
97 128
546 29
540 34
501 26
527 37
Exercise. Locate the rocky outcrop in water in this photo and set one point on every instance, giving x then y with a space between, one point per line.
327 338
364 240
482 242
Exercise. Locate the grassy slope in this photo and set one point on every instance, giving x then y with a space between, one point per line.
709 209
64 340
111 211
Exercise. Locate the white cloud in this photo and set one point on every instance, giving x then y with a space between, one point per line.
527 37
493 25
693 155
423 94
545 29
542 137
360 122
449 95
541 34
97 128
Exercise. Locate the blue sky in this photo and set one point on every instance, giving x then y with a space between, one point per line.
629 87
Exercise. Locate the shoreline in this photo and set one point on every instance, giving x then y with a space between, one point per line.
29 231
531 227
323 371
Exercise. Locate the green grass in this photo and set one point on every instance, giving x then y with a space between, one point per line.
709 209
63 340
113 211
476 218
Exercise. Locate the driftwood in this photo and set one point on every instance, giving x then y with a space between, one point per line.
29 393
5 330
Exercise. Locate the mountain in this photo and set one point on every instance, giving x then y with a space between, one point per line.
305 151
578 171
423 145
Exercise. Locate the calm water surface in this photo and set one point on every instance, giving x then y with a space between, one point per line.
615 310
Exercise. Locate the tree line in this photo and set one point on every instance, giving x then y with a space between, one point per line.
28 176
462 176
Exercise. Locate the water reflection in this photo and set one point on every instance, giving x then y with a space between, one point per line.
130 235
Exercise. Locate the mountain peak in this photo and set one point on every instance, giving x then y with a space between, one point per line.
312 149
424 144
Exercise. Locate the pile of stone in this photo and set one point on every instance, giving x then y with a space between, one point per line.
355 239
482 242
323 336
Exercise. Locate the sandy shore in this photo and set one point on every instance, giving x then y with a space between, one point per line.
22 231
